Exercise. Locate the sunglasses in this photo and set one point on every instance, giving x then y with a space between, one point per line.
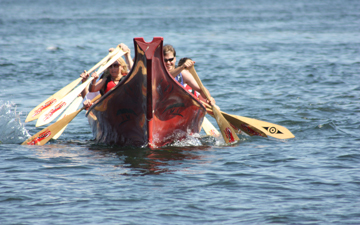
114 65
169 60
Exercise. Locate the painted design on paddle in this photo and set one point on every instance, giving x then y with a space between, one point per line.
237 130
228 134
273 130
57 107
250 131
39 138
213 133
47 104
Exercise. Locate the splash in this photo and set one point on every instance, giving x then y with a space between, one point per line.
197 140
12 131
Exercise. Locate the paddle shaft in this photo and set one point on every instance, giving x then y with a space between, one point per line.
111 54
227 131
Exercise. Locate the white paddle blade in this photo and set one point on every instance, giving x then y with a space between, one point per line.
42 107
72 108
54 111
209 128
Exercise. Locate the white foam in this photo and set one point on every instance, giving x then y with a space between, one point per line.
12 131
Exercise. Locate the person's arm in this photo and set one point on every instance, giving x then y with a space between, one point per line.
84 77
190 80
128 58
96 86
179 69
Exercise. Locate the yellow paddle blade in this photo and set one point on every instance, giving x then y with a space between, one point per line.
226 130
254 127
209 128
38 110
43 136
269 129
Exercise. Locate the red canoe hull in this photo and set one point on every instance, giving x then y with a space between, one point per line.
148 108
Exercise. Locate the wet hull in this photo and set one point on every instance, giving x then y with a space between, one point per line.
148 107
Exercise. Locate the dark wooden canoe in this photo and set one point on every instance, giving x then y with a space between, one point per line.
148 108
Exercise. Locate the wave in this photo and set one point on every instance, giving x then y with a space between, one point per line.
12 131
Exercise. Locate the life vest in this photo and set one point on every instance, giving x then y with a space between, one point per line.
109 84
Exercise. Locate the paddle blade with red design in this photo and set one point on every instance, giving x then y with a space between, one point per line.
42 107
43 136
226 130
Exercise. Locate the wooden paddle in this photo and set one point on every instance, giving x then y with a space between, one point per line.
51 113
209 128
38 110
43 136
227 131
254 127
72 108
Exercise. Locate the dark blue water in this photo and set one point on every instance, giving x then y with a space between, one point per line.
292 63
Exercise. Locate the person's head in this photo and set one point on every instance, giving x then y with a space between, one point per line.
182 61
119 66
169 56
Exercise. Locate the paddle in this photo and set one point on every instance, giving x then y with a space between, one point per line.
209 128
254 127
227 131
72 108
43 136
51 113
38 110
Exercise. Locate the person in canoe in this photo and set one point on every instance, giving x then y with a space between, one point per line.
180 73
110 78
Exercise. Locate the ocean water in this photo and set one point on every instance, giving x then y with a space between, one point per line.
292 63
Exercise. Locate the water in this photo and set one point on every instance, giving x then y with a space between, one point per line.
293 63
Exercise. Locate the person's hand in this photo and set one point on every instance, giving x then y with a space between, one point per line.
111 49
189 63
95 76
85 75
87 104
125 48
211 101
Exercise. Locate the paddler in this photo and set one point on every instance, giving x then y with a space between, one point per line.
180 73
111 77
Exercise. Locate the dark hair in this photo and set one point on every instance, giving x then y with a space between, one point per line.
182 61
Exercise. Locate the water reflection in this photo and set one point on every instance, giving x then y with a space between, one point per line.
152 161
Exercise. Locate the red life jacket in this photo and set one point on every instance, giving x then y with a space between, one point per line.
109 86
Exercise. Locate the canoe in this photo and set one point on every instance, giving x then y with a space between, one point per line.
148 108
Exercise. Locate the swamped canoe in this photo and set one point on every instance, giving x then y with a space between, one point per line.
148 107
